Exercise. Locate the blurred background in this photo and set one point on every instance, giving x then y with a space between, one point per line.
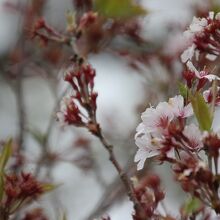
137 64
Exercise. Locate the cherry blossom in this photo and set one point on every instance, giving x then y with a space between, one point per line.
141 129
195 27
157 119
151 132
179 110
63 109
147 147
188 53
207 94
201 74
194 136
202 36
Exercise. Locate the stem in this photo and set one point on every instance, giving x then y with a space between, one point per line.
4 214
214 93
216 165
123 176
21 112
210 162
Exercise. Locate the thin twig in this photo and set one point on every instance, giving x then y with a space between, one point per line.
113 193
123 176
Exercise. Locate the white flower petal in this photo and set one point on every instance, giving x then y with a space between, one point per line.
191 67
156 120
206 94
211 77
211 57
188 53
61 118
217 16
141 129
178 107
201 74
198 24
194 135
211 15
188 111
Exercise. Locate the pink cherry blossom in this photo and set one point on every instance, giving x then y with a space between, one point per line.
157 119
141 129
194 136
188 53
202 74
147 147
207 94
196 36
178 108
197 25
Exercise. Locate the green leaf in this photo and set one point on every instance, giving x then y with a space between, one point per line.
183 89
192 205
1 185
47 187
4 157
5 154
215 8
118 9
71 20
202 111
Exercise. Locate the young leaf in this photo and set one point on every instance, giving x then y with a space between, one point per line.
47 187
202 111
183 90
71 20
191 206
5 154
118 9
1 185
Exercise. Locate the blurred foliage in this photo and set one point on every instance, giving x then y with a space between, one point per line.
183 90
4 157
118 9
202 111
191 206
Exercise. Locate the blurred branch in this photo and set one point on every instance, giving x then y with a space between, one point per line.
21 110
114 191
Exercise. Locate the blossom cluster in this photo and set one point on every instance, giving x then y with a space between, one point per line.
18 191
169 131
79 107
158 126
150 194
204 38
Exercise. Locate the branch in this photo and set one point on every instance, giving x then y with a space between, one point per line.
123 176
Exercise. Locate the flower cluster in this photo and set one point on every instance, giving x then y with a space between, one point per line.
196 178
150 194
204 38
18 190
159 126
45 33
79 108
168 134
